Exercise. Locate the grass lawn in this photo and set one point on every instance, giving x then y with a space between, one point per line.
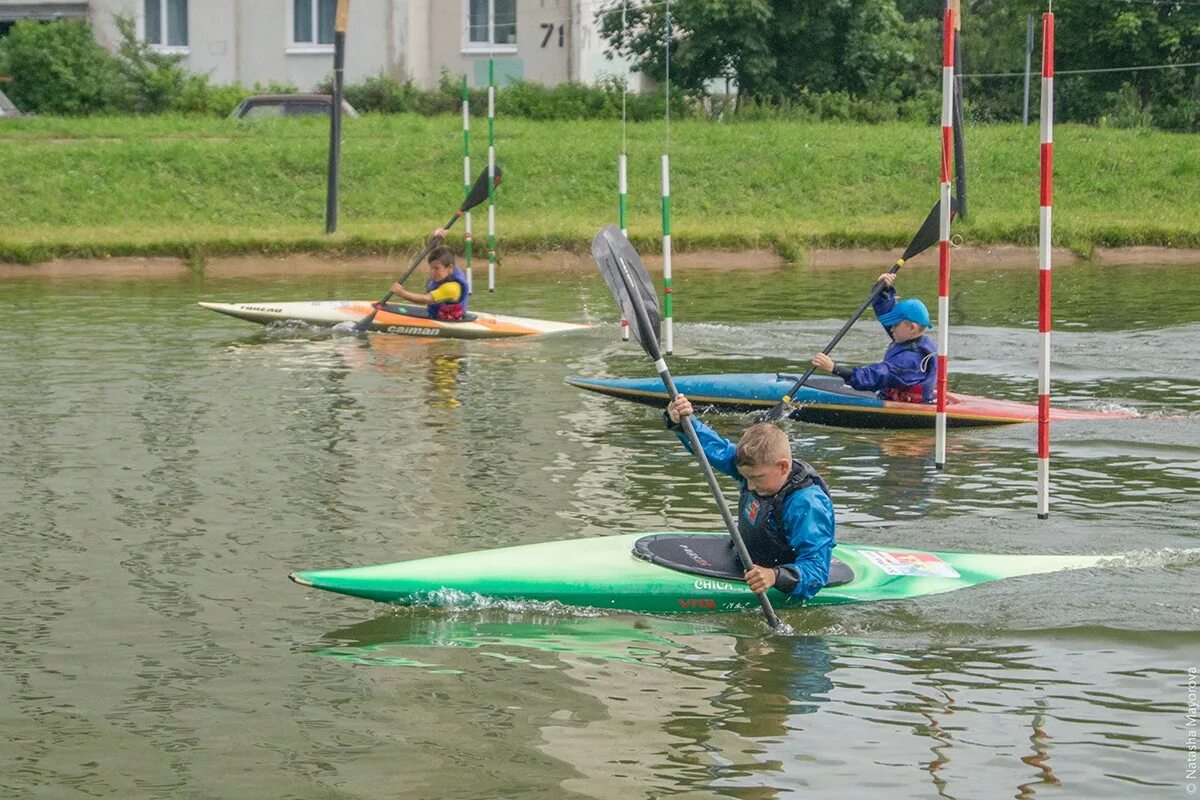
196 186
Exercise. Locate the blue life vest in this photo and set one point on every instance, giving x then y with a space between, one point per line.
760 519
449 311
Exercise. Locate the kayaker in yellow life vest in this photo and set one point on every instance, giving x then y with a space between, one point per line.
446 293
785 514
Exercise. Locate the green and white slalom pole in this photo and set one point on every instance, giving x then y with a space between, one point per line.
666 192
466 116
623 186
622 174
622 205
666 238
491 173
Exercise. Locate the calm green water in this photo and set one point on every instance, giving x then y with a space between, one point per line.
163 468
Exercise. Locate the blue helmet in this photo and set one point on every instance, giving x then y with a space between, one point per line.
911 309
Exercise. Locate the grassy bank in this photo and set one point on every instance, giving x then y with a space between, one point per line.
198 187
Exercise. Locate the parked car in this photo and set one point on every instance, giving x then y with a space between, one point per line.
260 106
7 109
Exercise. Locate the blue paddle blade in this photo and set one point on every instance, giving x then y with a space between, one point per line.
627 279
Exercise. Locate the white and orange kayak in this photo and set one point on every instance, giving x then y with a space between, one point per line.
397 319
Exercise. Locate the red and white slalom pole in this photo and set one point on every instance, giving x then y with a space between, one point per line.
1043 436
943 318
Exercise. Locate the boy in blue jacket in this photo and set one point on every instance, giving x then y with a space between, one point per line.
785 515
908 371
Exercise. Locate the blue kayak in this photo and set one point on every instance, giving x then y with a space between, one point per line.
825 400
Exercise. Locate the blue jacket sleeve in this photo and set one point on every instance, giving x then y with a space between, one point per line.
900 368
808 520
871 378
885 301
720 451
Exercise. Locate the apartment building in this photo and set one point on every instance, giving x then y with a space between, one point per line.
291 41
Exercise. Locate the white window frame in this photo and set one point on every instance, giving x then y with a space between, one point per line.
484 47
163 47
295 47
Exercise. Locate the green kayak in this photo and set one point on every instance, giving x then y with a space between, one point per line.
664 573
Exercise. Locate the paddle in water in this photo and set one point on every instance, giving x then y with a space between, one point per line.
479 193
926 236
630 285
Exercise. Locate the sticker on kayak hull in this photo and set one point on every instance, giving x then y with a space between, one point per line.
917 565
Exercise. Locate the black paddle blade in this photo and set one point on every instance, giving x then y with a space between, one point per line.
362 326
930 232
625 274
479 192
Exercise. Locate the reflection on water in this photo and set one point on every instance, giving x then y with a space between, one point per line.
709 706
441 361
1040 758
379 641
162 469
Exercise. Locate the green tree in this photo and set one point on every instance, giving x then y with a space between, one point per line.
864 47
889 52
776 48
710 39
1091 35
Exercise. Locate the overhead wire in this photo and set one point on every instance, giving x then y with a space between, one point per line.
1085 71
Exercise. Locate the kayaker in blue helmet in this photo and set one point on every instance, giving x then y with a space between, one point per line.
446 293
785 514
908 371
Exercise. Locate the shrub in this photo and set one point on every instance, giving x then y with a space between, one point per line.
59 68
155 82
383 94
200 97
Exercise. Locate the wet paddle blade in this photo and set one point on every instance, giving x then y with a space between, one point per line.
479 192
928 234
624 273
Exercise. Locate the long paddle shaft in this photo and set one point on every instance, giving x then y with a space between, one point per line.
479 193
926 236
650 344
